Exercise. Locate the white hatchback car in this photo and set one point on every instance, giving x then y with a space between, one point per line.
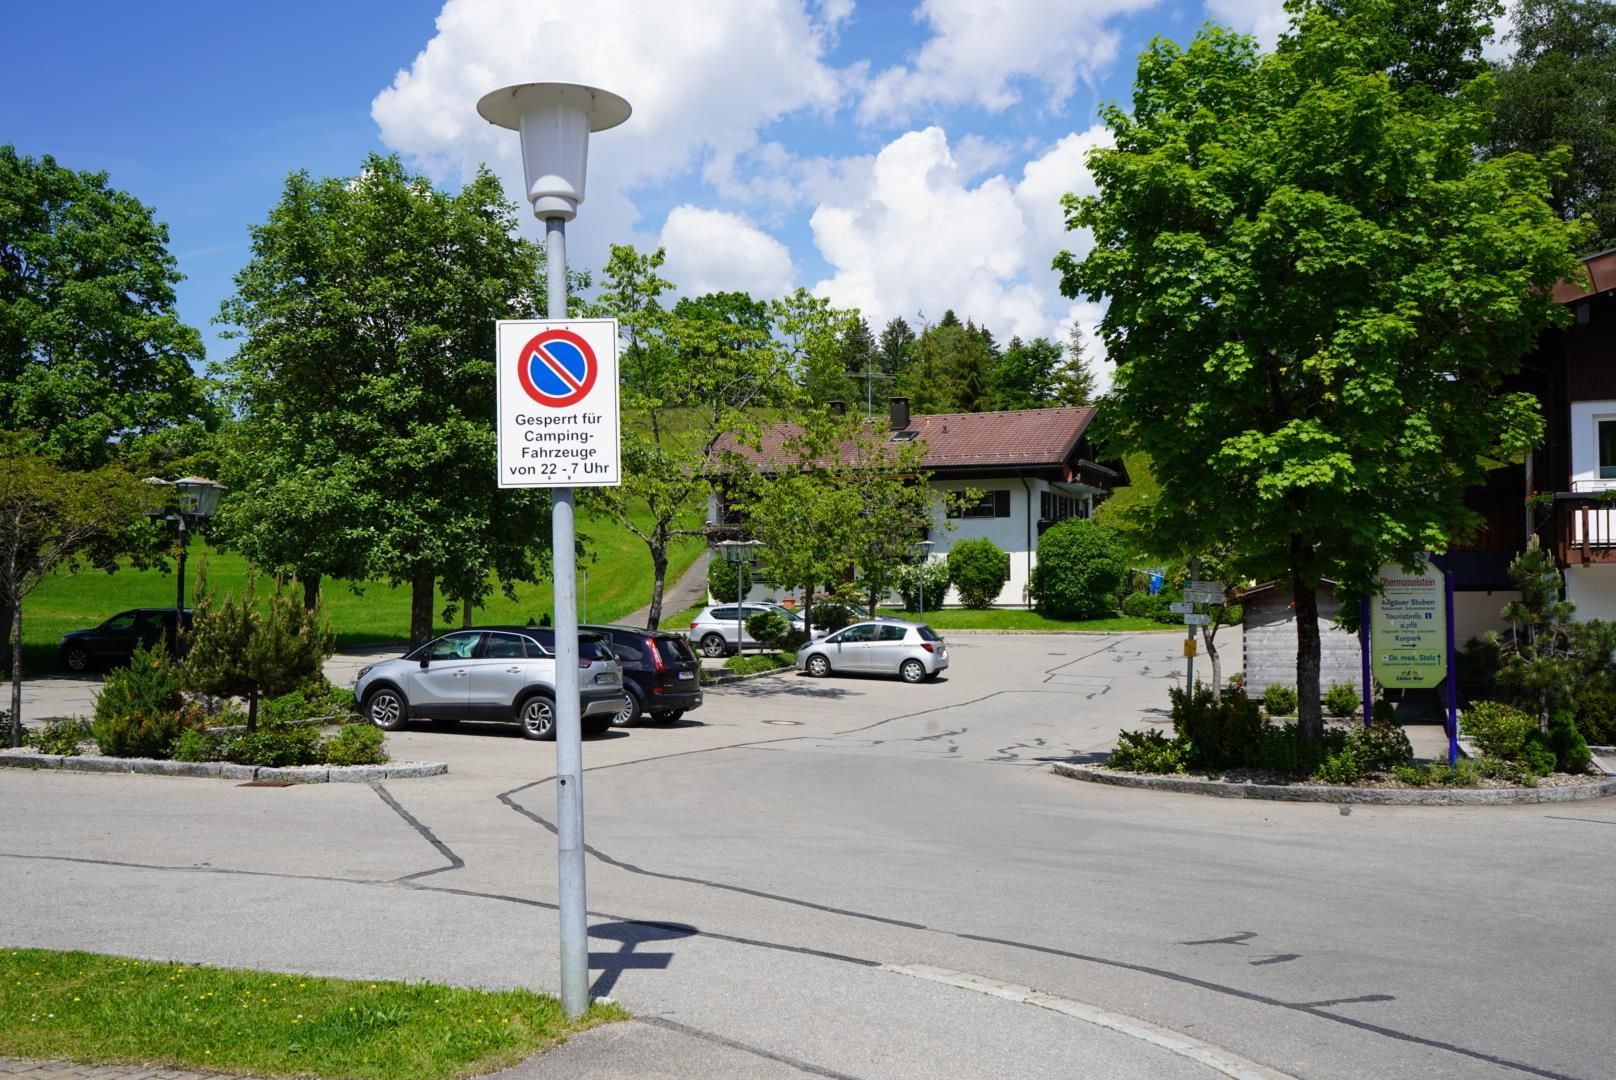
911 651
715 630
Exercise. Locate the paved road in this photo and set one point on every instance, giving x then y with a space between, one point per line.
859 878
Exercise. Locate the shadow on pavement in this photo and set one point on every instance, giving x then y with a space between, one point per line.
628 935
785 686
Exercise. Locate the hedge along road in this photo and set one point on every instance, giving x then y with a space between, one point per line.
843 876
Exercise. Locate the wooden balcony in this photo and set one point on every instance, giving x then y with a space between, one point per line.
1585 528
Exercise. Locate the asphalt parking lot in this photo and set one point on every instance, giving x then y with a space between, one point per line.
852 877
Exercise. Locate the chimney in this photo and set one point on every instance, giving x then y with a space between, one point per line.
899 412
837 408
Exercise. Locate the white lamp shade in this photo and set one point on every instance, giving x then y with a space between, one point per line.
199 496
555 120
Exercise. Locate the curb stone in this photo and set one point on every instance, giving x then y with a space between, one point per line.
225 770
719 680
1376 796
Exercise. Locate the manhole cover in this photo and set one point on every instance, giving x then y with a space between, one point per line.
266 783
784 723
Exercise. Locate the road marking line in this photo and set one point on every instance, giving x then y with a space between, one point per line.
1214 1057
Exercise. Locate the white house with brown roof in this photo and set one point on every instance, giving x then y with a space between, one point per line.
1031 468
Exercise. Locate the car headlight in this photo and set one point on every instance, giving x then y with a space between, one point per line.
364 671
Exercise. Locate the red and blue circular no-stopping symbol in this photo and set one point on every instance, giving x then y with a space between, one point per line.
557 368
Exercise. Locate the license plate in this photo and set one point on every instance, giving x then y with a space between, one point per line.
687 674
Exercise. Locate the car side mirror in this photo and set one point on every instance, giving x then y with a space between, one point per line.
425 660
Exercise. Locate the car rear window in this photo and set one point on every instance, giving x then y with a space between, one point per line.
674 650
928 634
594 648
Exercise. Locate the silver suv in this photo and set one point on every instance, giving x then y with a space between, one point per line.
502 673
911 651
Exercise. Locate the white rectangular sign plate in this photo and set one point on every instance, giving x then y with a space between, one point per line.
1183 607
1204 592
1197 620
557 403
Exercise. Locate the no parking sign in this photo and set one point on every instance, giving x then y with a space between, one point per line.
558 419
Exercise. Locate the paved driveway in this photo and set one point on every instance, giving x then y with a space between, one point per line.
853 877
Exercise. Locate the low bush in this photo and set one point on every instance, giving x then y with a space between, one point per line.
1279 700
1570 749
60 736
769 629
140 711
751 665
318 701
356 744
1148 751
1341 767
1381 747
1383 712
1341 700
1144 605
979 568
1498 730
1220 732
199 744
909 578
276 748
1596 714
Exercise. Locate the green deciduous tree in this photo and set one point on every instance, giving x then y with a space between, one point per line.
688 376
1559 89
365 381
51 519
254 647
92 351
812 332
1316 289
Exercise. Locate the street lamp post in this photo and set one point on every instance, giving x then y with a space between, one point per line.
555 121
196 499
742 553
924 548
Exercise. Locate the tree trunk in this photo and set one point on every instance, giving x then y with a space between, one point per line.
1309 714
1208 634
252 711
659 581
808 611
16 675
311 591
422 582
465 614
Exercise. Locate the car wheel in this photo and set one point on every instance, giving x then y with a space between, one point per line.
386 709
818 666
76 659
537 717
667 716
913 671
714 645
630 711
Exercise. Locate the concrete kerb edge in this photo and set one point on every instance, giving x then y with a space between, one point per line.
1372 796
719 680
225 770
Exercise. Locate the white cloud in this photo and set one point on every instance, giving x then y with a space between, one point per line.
917 239
1265 19
714 251
980 48
703 77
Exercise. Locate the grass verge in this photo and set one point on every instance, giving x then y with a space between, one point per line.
1020 619
88 1007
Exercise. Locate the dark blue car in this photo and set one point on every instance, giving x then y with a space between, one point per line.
115 641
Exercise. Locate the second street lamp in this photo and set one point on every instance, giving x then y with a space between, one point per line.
196 498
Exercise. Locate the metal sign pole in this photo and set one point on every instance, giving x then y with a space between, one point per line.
569 734
1364 645
1189 637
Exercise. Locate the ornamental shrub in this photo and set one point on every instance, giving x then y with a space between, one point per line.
356 744
200 744
908 578
276 748
979 568
60 736
1081 568
723 580
1222 732
1341 700
139 711
1380 747
1498 730
1596 714
1571 754
769 629
318 700
1279 700
1144 605
1147 751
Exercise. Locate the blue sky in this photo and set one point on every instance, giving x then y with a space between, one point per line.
901 159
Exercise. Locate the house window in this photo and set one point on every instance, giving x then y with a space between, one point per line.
992 504
1607 449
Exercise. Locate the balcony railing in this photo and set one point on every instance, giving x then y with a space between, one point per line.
1585 528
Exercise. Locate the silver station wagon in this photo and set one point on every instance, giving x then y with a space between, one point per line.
911 651
500 673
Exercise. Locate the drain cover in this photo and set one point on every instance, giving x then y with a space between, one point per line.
784 723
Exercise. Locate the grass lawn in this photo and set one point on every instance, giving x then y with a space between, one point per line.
93 1008
1020 619
614 579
